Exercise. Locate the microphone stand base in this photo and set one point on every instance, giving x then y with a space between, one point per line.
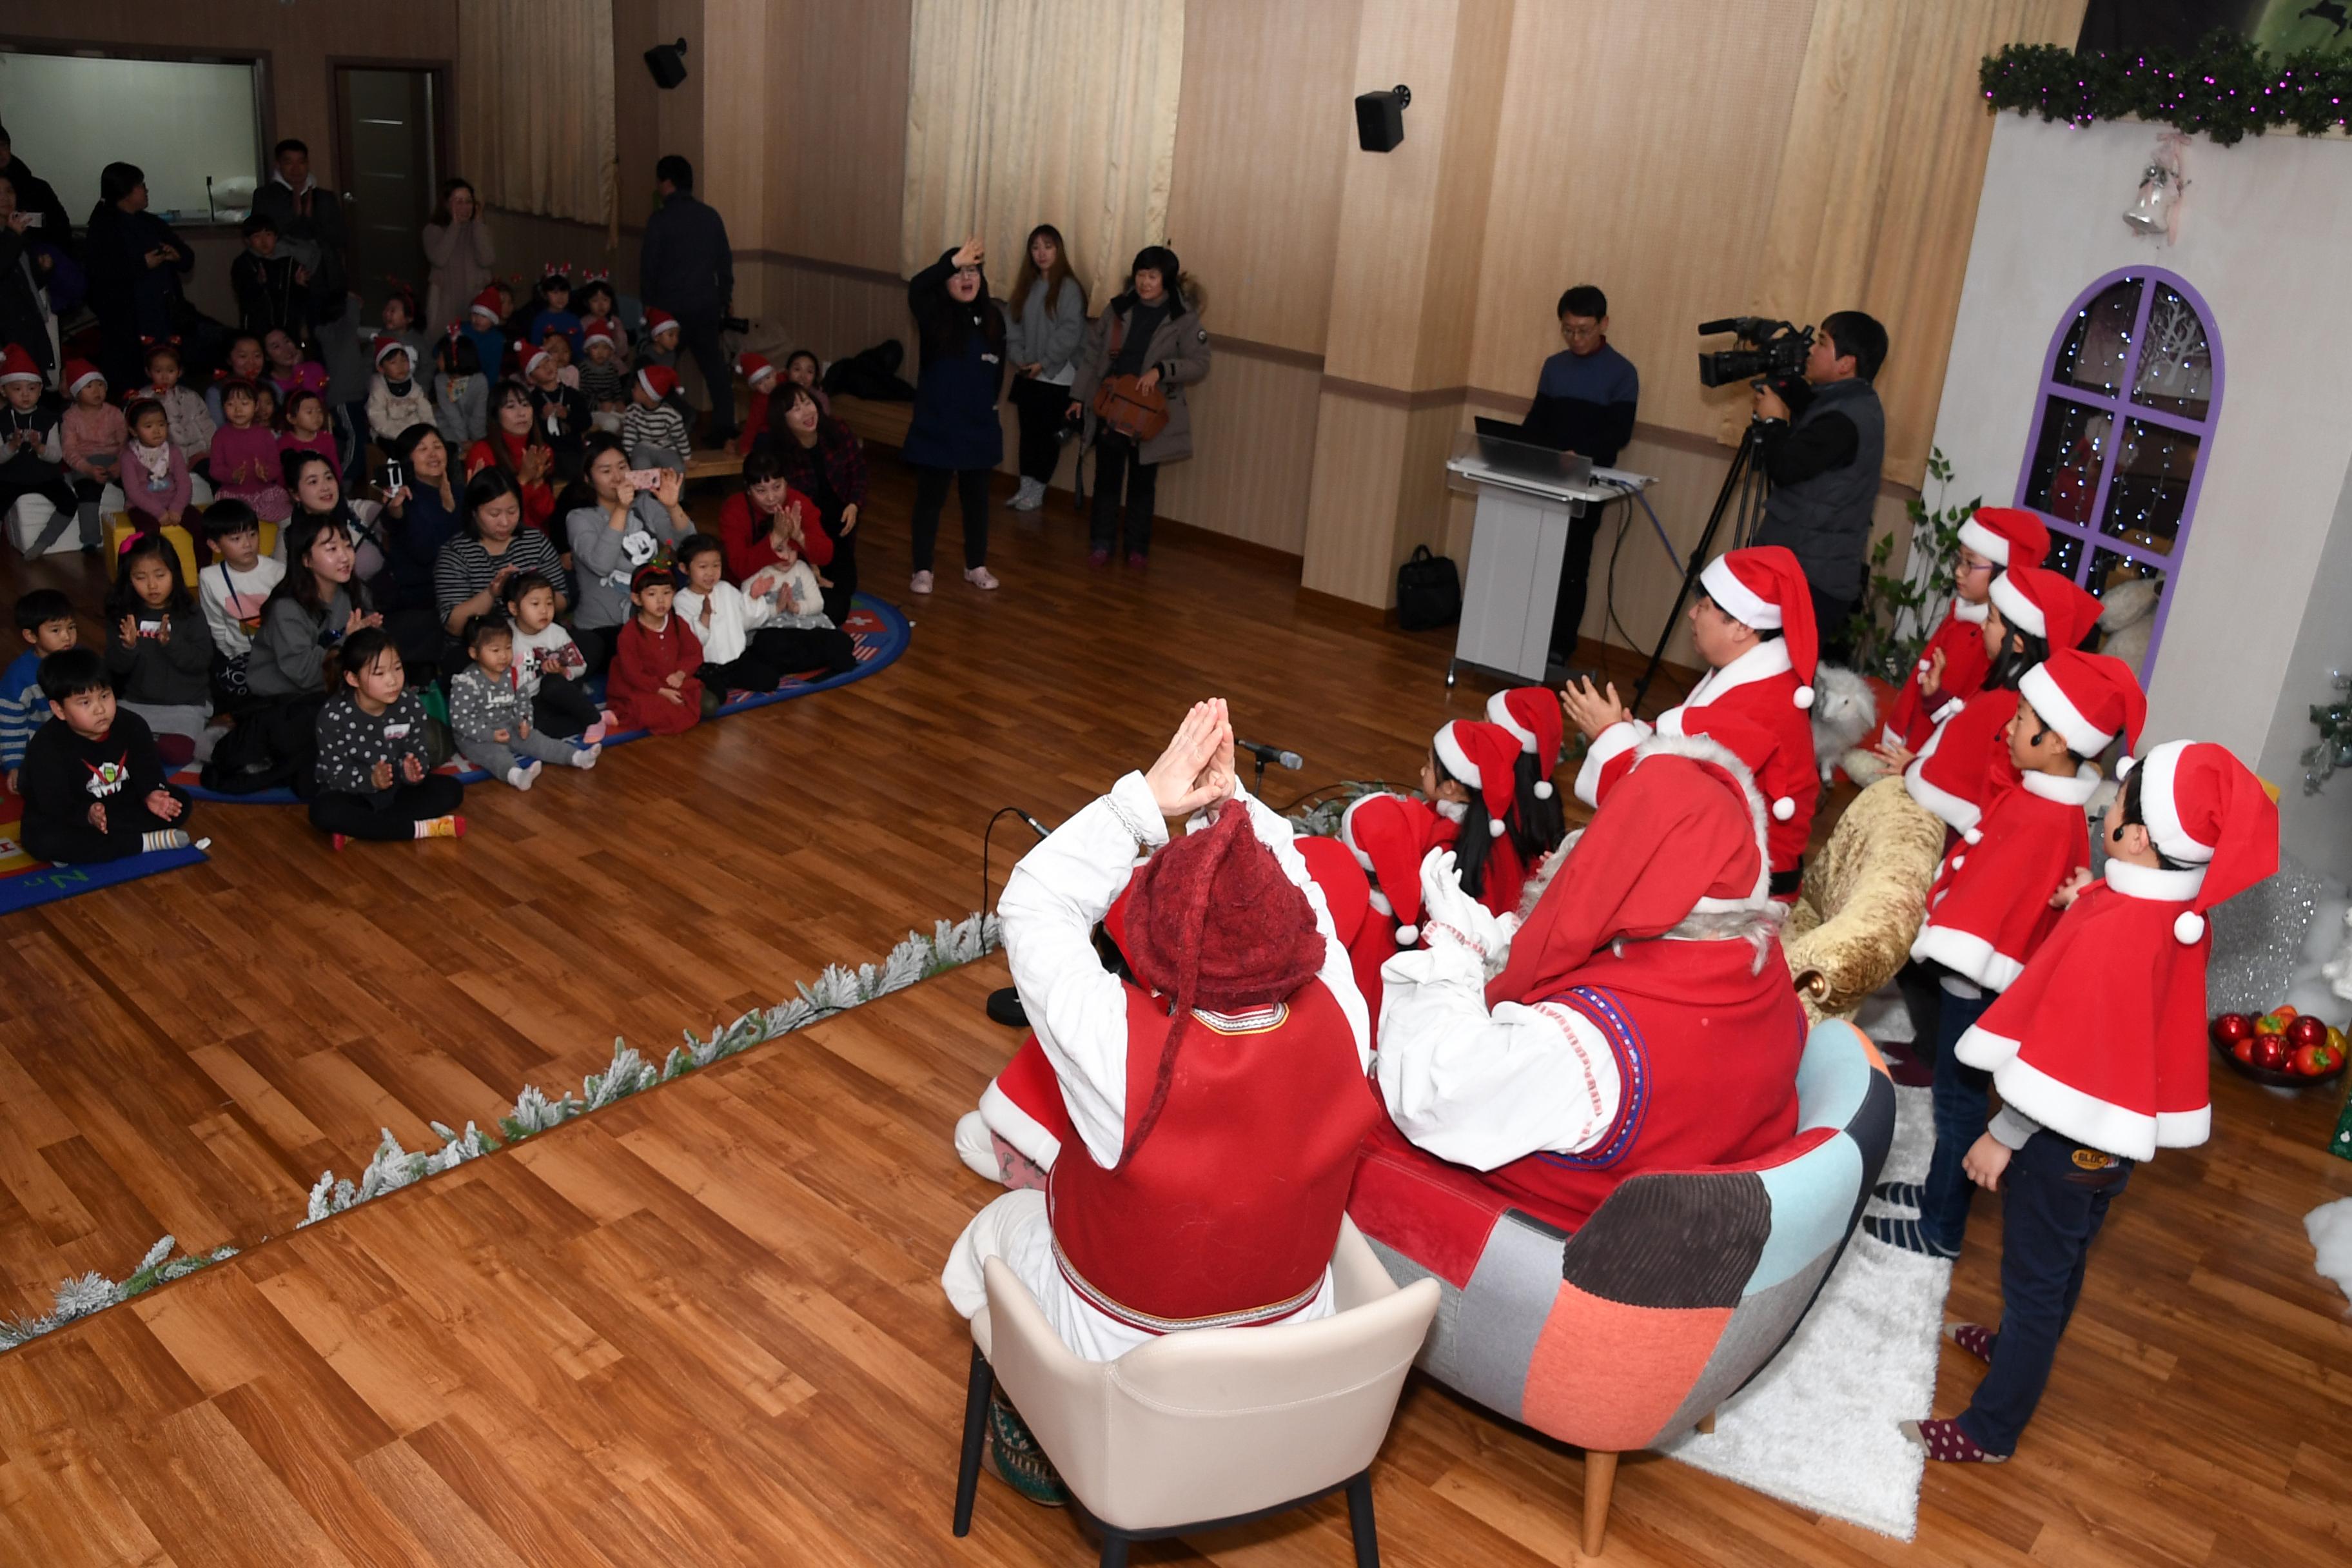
1004 1007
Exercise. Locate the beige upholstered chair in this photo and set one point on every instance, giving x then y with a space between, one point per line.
1862 901
1210 1427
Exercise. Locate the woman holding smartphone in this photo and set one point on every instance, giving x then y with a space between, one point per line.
615 528
135 264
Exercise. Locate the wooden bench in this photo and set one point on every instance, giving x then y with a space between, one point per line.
875 422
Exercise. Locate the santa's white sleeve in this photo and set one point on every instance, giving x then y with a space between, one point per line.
1050 906
1607 746
1338 973
1484 1088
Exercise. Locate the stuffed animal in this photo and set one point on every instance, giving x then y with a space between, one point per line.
2128 619
1844 713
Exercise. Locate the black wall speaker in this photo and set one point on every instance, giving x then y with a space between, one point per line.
1380 118
668 62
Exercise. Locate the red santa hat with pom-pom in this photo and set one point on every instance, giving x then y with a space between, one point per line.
2089 698
1483 757
1764 587
2008 536
2204 807
659 321
78 373
2047 604
485 305
1387 835
658 380
755 369
17 364
1751 742
1532 713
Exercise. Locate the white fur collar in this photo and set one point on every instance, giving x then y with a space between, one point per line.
1762 662
1452 810
2075 791
2154 884
1974 614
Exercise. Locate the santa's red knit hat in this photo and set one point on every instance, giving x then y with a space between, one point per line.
2204 807
2047 604
659 323
1681 833
2089 698
80 372
1347 895
1764 587
658 380
388 345
1532 713
485 303
755 368
1482 756
1387 835
1751 742
17 364
597 330
1213 922
529 355
2008 536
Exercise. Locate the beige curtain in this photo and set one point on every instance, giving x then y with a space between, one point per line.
535 106
1877 198
1029 111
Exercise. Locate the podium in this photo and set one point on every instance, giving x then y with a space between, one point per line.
1517 542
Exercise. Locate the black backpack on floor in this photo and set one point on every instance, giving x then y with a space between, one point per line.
1429 592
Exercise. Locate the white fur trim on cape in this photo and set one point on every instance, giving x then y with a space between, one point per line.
2075 791
1737 599
1017 1127
1607 746
1972 615
1968 954
1699 748
2153 883
2161 811
1956 813
1457 760
2017 609
1499 712
2071 1113
1452 810
1985 542
1348 832
1762 662
2084 739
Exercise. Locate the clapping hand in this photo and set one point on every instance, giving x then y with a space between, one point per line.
1895 755
1592 709
1197 768
129 627
165 805
1446 910
1934 679
666 492
97 815
380 775
411 768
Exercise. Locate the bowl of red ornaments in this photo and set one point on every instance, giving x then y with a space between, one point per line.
2282 1048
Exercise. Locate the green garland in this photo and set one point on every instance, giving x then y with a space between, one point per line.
2225 88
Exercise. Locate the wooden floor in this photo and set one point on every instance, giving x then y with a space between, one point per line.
704 1325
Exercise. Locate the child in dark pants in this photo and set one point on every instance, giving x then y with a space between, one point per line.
375 781
2098 1050
549 669
1997 900
92 780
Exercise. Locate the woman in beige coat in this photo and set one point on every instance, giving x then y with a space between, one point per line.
1151 331
457 243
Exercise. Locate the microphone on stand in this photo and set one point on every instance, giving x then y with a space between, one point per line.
1266 756
1004 1005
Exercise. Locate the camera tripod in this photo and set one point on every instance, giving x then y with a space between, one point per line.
1745 485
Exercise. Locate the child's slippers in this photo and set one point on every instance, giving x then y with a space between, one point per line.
1973 1338
1947 1443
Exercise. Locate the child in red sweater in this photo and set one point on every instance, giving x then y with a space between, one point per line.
2099 1053
651 685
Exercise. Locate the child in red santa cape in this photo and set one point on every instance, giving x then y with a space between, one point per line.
1997 899
1965 764
1389 835
1218 1096
1753 625
1471 777
1952 666
1532 714
1642 1018
2098 1051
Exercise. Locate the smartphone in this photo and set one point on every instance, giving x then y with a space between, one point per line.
395 475
647 478
32 220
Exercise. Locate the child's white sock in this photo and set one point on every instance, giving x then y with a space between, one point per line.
585 757
522 776
164 838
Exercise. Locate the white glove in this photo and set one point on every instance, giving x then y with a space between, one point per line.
1449 914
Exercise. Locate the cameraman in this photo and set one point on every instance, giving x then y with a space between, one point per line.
1824 464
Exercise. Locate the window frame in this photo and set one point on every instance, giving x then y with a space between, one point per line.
2121 407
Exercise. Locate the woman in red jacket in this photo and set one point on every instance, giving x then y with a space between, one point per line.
753 524
516 445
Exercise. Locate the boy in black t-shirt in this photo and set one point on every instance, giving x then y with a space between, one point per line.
92 780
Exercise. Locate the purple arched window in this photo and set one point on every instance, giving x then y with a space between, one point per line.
2130 394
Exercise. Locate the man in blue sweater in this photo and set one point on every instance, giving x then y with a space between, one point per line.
1584 404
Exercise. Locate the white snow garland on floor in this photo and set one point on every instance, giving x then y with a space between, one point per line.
1818 1427
392 1167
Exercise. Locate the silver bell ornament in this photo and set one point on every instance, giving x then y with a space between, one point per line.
2156 210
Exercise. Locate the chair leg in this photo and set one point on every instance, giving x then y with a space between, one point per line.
1707 1424
1359 1521
977 1393
1599 1477
1113 1551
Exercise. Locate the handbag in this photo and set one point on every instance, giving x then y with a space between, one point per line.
1124 403
1429 592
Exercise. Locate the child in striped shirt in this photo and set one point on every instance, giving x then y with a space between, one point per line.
44 619
654 428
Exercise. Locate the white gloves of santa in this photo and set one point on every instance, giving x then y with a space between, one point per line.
1450 915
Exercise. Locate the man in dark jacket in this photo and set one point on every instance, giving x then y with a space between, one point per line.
688 269
310 223
35 195
1824 464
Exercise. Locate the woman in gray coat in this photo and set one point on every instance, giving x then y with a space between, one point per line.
1049 321
1151 331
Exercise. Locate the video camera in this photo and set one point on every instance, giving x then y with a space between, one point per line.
1773 351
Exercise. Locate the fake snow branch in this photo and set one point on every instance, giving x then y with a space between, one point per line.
391 1166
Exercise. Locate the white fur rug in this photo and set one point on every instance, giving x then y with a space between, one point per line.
1818 1428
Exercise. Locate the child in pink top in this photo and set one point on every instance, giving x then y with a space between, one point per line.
288 371
246 464
306 426
91 435
154 475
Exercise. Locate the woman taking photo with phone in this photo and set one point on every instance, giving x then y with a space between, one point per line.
1151 333
615 528
1049 322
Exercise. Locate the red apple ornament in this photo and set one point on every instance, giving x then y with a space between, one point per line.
2232 1027
2243 1049
2270 1051
2306 1030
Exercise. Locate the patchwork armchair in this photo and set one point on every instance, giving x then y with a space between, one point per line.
1681 1288
1862 901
